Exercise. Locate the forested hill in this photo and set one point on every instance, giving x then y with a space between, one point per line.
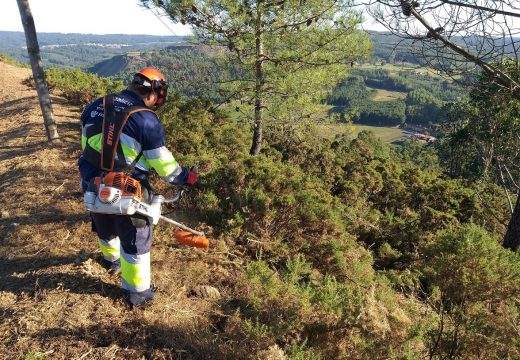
385 88
81 50
86 50
16 39
390 48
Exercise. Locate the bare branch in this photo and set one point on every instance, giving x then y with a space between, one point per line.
483 8
505 188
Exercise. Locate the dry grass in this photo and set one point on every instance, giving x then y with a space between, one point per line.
56 301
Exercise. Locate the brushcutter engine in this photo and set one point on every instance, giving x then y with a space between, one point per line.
118 193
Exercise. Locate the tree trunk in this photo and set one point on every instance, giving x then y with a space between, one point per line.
512 237
37 69
259 81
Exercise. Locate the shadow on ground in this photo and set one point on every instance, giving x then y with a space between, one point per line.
134 336
27 275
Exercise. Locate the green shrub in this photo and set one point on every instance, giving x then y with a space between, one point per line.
34 356
328 230
474 285
297 301
300 351
79 87
12 61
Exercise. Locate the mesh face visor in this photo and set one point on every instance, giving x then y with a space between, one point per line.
159 86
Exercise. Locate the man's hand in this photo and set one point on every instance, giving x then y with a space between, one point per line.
186 177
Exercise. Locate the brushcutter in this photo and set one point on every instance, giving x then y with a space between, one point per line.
119 194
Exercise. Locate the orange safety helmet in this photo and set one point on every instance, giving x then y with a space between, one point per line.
153 79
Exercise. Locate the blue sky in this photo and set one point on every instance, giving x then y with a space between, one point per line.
90 17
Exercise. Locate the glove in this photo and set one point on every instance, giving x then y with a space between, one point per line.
192 178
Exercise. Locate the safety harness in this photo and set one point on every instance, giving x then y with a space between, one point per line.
111 129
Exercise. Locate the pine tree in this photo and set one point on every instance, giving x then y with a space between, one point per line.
290 50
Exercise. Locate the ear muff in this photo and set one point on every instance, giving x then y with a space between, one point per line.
161 89
160 101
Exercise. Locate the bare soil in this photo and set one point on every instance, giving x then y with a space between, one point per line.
56 300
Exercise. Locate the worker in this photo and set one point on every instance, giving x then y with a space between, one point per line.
138 147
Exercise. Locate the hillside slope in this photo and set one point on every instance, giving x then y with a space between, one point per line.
55 299
111 66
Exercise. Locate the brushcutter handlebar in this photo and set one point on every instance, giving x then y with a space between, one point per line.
182 188
185 235
177 196
159 199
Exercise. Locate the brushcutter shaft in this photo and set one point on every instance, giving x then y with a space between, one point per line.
181 226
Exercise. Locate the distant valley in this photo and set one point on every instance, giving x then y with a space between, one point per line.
388 89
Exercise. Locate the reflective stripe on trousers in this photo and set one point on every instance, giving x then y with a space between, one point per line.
135 271
110 249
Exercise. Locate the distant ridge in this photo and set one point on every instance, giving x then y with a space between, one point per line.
120 63
82 50
17 38
113 65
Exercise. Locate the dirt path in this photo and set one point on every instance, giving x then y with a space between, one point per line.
55 299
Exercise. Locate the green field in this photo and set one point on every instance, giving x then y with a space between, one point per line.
386 134
394 68
389 67
386 95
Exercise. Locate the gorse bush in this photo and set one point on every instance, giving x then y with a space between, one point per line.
474 285
362 314
80 87
307 272
306 211
330 229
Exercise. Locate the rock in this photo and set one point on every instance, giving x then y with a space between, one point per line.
207 292
274 352
182 292
5 214
12 226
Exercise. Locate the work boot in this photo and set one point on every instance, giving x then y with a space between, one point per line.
138 299
113 267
